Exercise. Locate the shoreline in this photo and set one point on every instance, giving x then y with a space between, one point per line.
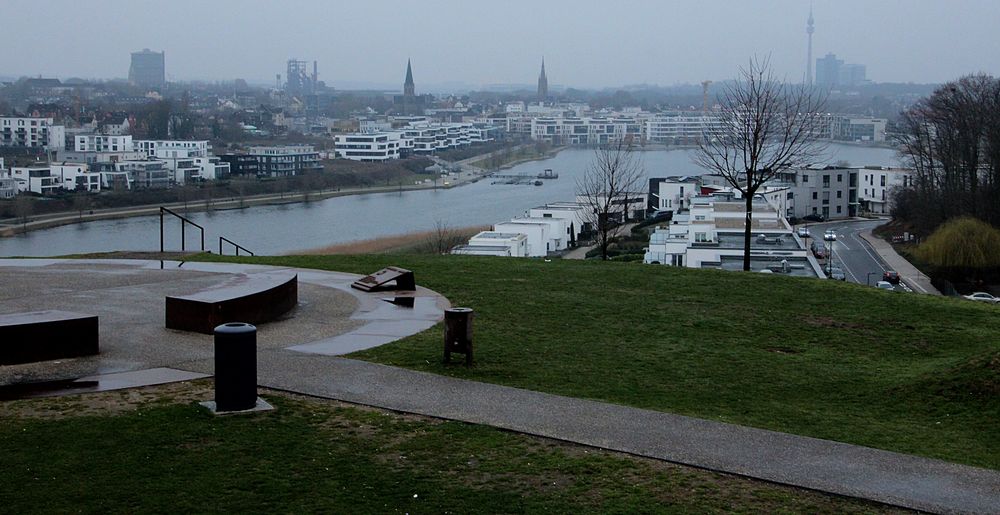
11 227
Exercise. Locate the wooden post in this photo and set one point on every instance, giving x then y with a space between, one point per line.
458 333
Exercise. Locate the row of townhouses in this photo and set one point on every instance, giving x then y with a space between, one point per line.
545 229
376 143
664 128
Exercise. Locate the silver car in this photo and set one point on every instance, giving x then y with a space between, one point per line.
981 296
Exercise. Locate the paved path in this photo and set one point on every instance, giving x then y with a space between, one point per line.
910 274
312 368
899 479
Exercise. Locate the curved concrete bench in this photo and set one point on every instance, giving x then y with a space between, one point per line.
254 299
44 335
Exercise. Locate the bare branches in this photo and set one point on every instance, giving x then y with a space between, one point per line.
766 126
612 179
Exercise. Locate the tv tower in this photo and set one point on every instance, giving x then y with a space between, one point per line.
809 55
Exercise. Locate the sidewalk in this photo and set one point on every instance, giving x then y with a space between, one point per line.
913 277
893 478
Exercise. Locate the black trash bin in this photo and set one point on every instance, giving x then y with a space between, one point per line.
235 367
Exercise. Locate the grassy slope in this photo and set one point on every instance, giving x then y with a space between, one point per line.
170 455
909 373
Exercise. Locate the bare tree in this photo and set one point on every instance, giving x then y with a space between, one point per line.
611 180
443 238
24 207
766 126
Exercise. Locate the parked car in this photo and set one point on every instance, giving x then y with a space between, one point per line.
891 276
813 217
981 296
818 249
803 232
830 235
884 285
836 273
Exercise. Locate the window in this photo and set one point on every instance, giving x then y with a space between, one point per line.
805 178
882 181
840 177
815 195
838 209
701 237
840 194
826 181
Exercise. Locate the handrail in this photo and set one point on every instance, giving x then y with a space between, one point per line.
184 222
234 244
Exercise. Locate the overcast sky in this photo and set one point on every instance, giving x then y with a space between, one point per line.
585 43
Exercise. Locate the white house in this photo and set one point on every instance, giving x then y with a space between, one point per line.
877 187
36 179
172 148
544 235
491 243
671 194
370 147
711 235
574 214
76 176
102 143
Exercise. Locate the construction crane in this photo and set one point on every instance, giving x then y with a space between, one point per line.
704 96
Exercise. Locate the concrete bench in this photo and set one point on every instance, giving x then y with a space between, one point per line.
254 299
45 335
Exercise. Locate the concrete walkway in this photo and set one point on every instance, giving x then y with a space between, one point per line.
843 469
301 356
910 274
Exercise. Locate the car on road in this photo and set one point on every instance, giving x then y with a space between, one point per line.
818 249
803 232
884 285
835 273
891 276
814 218
830 235
981 296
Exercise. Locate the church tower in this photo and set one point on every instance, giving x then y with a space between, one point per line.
543 84
408 88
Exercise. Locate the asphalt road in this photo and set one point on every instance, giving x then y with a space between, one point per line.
861 264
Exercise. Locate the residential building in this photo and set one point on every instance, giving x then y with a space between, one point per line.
147 69
543 235
492 243
36 179
32 132
76 176
241 164
681 128
878 185
103 143
573 213
8 186
140 175
671 194
830 192
285 160
371 147
586 131
172 148
711 235
861 129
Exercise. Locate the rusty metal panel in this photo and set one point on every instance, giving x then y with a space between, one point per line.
401 278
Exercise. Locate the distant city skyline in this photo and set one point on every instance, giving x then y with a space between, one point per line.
585 45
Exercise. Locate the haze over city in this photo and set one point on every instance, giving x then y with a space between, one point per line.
468 45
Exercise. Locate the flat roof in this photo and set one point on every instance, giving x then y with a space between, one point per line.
499 235
738 223
797 267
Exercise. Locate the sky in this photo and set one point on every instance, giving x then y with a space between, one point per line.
585 43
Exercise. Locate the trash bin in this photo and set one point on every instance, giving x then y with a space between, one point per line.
235 367
458 333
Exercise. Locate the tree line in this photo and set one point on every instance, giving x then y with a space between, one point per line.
951 140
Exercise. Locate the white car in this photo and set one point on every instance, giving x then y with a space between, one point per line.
981 296
830 235
804 232
884 285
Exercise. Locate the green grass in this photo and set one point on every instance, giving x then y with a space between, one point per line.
904 372
169 455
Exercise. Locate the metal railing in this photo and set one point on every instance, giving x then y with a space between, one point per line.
234 244
184 222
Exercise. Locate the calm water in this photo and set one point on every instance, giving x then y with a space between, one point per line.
290 227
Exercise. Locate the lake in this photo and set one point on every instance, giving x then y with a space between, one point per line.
287 228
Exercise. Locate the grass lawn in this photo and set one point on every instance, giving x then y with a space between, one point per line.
904 372
154 450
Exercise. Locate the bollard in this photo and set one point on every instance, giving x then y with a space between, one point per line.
235 367
458 333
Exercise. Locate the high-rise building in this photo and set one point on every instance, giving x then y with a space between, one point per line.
543 83
147 69
408 87
828 70
809 55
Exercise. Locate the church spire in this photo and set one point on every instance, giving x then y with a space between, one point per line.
408 88
543 84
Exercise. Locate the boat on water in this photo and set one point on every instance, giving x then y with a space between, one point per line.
548 174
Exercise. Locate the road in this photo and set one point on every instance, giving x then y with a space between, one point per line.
861 264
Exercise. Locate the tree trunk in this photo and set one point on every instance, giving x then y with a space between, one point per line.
748 225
